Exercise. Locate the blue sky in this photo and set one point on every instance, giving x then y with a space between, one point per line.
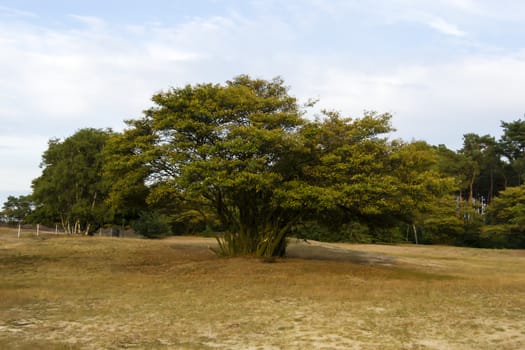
442 68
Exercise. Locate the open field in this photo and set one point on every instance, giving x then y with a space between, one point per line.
59 292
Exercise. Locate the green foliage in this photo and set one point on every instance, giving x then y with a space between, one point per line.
486 168
442 224
512 143
152 224
353 232
506 216
454 164
126 173
71 189
512 148
223 149
356 175
509 208
17 209
242 153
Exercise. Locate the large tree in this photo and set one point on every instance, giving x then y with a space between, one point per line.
220 148
513 139
512 147
71 190
486 168
243 153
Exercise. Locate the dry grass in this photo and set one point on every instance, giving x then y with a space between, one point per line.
109 293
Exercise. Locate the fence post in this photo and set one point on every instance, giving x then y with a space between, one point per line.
19 230
37 229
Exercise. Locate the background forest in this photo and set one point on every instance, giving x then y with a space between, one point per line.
240 160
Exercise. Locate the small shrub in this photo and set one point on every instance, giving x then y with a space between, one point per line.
152 225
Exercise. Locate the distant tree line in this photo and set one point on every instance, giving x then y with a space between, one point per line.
240 160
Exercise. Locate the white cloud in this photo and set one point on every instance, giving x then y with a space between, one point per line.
428 16
82 78
163 52
445 27
98 78
438 103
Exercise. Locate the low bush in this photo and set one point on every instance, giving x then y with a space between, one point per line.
152 225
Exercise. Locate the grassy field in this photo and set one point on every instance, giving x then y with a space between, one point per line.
59 292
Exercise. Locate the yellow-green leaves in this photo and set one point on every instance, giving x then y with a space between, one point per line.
244 152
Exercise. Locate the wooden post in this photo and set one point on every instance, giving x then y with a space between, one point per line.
56 229
37 229
19 230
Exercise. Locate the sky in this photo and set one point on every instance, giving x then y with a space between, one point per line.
442 68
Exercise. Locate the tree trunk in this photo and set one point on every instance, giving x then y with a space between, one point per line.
471 190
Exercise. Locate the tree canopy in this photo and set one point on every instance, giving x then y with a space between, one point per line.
17 209
224 149
71 190
244 152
